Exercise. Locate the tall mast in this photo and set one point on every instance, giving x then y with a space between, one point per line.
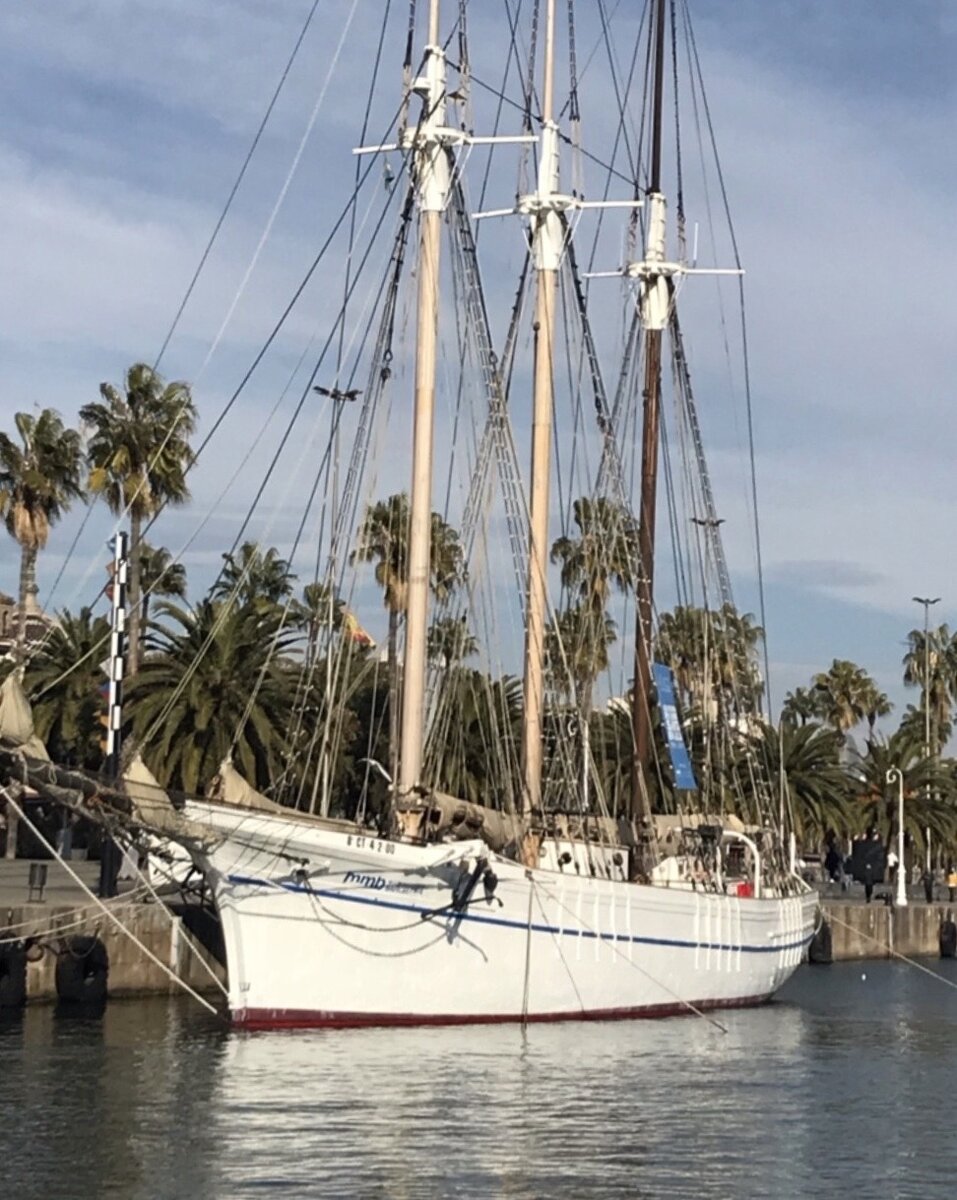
432 183
547 242
655 298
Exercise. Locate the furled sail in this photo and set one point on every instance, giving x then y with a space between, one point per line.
16 720
229 787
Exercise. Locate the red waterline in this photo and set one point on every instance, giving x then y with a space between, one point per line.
304 1018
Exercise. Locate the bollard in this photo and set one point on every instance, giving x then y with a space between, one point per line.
37 881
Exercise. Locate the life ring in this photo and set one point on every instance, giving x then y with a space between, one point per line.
82 970
13 975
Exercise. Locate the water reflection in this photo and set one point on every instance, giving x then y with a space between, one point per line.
845 1086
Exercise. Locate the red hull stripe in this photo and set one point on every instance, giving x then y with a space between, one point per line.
304 1018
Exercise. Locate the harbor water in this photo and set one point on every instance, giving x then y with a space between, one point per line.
844 1086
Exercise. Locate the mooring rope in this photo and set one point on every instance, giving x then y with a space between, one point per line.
108 912
885 945
60 923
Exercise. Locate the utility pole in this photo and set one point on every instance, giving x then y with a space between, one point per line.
339 398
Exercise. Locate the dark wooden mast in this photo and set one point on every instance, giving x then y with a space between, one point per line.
651 393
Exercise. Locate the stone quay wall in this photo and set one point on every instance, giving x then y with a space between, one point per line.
876 930
131 972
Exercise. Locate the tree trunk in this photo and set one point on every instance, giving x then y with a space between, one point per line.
133 659
28 597
393 694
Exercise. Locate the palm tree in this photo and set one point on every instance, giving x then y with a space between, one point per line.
713 655
214 675
737 656
800 706
251 577
384 540
159 576
612 746
38 482
320 608
847 695
139 454
473 746
876 705
929 790
605 552
913 722
933 657
450 640
576 651
66 686
806 759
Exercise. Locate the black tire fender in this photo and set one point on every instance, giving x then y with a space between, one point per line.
13 975
82 970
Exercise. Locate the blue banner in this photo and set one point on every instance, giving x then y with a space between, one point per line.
680 762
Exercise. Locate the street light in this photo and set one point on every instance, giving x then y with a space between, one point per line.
339 397
927 601
895 774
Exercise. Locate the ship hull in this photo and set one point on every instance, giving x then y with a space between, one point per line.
327 928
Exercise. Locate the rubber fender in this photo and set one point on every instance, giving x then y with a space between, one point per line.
82 970
13 975
948 939
821 949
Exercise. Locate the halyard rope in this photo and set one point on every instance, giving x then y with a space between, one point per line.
111 916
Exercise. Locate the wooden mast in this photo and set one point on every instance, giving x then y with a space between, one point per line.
547 242
432 181
655 301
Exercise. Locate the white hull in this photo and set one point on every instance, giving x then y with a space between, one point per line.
325 927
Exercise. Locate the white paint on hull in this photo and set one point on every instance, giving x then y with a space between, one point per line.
326 924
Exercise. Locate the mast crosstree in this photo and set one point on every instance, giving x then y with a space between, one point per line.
654 275
430 143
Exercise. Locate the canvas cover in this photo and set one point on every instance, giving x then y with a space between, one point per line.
229 787
16 719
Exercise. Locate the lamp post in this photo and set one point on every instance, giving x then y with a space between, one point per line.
895 775
339 398
927 601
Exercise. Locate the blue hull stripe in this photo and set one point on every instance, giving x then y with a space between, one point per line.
483 919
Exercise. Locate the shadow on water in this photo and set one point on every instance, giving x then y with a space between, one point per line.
843 1086
78 1010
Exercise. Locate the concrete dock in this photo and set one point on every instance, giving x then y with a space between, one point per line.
877 930
66 911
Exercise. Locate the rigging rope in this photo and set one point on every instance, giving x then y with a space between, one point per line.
107 912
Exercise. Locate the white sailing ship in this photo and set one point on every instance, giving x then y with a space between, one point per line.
549 904
452 913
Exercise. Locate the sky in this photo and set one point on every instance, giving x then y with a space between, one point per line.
126 121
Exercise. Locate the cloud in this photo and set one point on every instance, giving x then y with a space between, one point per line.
823 573
127 121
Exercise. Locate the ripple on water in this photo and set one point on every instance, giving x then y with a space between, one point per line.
844 1087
